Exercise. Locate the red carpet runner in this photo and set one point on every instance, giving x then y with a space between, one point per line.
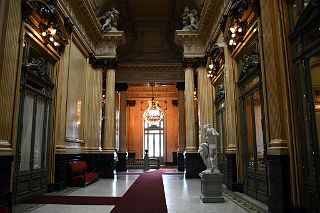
145 195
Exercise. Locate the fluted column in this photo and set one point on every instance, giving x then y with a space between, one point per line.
205 102
109 130
122 152
193 52
194 163
191 146
182 126
283 169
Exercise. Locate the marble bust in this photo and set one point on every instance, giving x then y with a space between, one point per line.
208 150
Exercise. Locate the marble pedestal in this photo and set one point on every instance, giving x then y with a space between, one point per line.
211 188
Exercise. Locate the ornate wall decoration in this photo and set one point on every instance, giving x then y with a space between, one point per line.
195 62
103 63
250 66
37 69
216 56
238 19
45 20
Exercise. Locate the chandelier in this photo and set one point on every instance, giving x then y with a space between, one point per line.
154 113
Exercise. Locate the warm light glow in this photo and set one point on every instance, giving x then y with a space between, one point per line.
51 38
317 106
78 112
44 33
211 65
53 31
154 113
240 29
233 35
232 29
56 44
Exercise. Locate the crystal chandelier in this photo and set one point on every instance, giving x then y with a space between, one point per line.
154 113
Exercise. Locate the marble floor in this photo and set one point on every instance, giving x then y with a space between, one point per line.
182 195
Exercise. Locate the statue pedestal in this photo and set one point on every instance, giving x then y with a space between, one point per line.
211 188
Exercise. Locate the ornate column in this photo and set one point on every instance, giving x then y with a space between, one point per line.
105 59
182 126
109 126
122 152
194 51
283 170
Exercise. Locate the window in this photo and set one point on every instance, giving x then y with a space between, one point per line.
153 139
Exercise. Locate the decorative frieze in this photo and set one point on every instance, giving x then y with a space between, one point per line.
195 62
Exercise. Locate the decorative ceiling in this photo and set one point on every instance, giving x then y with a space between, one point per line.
149 27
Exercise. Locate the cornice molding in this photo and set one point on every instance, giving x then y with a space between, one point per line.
103 63
193 45
195 62
66 8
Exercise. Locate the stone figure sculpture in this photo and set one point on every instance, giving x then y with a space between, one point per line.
189 19
109 21
208 150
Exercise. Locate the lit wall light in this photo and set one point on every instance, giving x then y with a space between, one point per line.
51 38
44 33
53 31
211 65
56 44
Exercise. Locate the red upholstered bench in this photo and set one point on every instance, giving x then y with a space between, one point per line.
79 174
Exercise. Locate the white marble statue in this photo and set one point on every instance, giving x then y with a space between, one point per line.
208 150
109 21
189 19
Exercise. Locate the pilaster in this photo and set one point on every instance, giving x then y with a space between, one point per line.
182 126
9 73
205 101
275 79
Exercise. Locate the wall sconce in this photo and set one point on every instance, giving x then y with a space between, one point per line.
48 34
212 71
211 65
237 32
195 96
